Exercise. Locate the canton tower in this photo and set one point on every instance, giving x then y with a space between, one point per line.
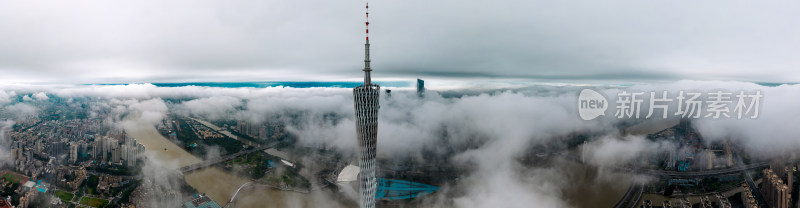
366 106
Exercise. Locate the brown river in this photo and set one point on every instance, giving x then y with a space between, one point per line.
585 191
218 184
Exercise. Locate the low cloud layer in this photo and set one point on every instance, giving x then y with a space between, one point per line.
489 132
5 153
612 151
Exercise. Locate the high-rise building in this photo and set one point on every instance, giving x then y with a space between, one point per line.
785 172
97 148
366 109
775 192
82 147
116 155
125 150
671 159
722 201
728 155
39 147
420 87
242 127
57 149
748 200
131 151
73 152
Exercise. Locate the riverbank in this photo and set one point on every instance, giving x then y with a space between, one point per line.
218 184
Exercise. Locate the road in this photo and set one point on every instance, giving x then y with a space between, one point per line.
678 174
631 197
694 174
753 188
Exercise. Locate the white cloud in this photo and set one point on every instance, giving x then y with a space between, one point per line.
5 97
611 151
488 132
21 110
40 96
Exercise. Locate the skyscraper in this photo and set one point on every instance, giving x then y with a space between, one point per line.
420 87
73 152
366 109
775 192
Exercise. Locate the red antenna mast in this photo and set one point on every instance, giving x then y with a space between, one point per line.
367 69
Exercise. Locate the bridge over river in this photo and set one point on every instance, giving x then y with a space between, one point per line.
212 161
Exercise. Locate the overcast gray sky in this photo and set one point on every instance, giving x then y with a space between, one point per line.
195 40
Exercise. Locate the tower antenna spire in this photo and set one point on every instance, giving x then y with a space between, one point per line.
367 69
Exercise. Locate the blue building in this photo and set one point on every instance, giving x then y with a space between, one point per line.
683 166
201 202
397 189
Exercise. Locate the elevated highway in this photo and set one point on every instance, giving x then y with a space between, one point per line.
695 174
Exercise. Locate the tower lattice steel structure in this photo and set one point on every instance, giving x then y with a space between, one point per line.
366 106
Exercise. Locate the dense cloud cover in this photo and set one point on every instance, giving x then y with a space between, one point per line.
250 40
497 127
